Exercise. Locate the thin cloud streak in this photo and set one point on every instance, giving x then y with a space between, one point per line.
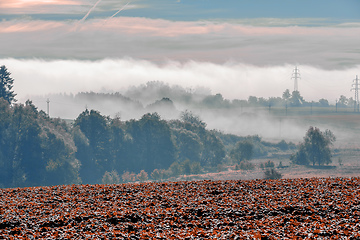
91 9
19 4
120 10
160 40
25 7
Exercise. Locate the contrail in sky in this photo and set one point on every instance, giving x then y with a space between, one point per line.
88 13
120 10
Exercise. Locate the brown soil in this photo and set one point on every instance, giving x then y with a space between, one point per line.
316 208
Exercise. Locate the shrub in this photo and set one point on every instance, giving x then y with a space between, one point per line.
175 168
282 145
246 165
269 164
156 175
110 177
280 165
195 167
128 177
272 174
142 176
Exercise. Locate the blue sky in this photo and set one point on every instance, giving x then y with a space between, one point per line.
237 9
193 10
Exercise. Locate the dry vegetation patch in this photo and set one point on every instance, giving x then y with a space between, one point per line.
268 209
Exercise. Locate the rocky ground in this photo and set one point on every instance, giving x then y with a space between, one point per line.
313 208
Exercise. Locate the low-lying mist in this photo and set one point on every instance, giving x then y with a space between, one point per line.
234 80
234 117
130 88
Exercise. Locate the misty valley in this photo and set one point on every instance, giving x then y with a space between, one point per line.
159 132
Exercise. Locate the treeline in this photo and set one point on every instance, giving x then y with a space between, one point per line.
38 150
160 97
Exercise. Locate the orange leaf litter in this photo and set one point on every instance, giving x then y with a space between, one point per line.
316 208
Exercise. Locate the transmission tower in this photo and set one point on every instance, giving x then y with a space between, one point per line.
355 86
296 76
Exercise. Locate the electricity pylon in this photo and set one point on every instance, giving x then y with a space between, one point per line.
355 86
296 76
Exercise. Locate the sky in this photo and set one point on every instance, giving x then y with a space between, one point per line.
238 48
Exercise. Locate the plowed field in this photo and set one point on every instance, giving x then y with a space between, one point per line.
325 208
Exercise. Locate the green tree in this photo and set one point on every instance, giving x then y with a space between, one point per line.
343 101
324 103
34 149
142 176
296 99
243 150
315 149
152 143
6 84
119 143
176 169
252 100
286 95
26 146
189 117
156 175
57 155
272 174
111 177
214 150
97 156
189 145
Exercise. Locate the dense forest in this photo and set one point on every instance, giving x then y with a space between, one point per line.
38 150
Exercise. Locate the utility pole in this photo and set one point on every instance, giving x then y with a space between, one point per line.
336 105
48 105
355 86
296 76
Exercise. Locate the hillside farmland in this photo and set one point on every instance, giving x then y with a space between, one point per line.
267 209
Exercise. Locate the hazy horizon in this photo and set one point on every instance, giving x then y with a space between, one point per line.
235 48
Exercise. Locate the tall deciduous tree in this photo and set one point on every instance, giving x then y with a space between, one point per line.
296 99
153 146
243 150
315 149
94 152
6 84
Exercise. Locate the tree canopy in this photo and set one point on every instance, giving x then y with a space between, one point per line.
315 149
6 84
243 150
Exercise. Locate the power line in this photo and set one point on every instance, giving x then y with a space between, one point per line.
355 86
296 76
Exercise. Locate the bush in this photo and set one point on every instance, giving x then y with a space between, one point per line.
245 166
142 176
156 175
128 177
243 150
195 167
282 145
269 164
272 174
110 177
175 168
280 165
